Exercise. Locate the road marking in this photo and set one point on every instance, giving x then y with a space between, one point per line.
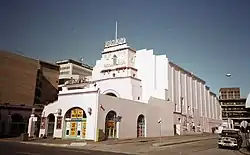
27 153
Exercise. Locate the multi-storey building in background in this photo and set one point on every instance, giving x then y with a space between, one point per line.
233 107
72 70
25 83
229 93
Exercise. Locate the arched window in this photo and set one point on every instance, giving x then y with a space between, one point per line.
114 60
111 94
141 126
110 125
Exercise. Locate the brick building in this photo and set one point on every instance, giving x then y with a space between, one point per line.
25 83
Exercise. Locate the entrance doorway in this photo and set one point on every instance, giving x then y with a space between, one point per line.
17 125
75 124
51 125
110 125
37 125
141 126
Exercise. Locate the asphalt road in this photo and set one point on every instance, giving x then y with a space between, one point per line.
207 147
15 148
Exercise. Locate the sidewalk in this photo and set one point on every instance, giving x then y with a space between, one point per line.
129 146
141 147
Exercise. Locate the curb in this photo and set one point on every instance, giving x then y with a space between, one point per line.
78 144
9 140
180 142
56 145
45 144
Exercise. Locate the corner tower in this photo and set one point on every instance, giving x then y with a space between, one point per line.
118 59
115 72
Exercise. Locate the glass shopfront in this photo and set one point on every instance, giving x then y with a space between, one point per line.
75 124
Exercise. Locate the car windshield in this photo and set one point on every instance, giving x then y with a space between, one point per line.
229 133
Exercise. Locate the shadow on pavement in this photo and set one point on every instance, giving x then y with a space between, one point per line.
244 151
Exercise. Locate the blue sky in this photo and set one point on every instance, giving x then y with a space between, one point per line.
207 37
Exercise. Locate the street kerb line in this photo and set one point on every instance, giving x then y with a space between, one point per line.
27 153
64 146
180 142
45 144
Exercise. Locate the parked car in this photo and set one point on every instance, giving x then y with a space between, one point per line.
230 138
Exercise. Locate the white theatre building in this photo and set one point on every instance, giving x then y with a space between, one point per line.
132 94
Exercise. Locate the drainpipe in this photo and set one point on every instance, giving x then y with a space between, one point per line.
96 129
181 104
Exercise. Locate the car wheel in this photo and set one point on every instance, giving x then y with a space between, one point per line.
219 146
237 147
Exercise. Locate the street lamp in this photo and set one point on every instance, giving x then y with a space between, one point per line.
160 121
228 75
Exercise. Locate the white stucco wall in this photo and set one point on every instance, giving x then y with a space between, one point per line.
153 73
124 87
130 110
198 102
84 99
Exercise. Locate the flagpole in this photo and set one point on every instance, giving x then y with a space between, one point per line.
116 30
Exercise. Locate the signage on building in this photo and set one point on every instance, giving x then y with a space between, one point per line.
77 81
111 43
59 122
43 122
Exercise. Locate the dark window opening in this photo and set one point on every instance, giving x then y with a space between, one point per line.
62 81
114 60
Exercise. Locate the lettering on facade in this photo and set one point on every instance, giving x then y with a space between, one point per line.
78 81
111 43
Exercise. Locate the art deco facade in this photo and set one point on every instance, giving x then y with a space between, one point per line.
195 104
132 93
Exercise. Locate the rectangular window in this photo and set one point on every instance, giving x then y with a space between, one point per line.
62 68
64 72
